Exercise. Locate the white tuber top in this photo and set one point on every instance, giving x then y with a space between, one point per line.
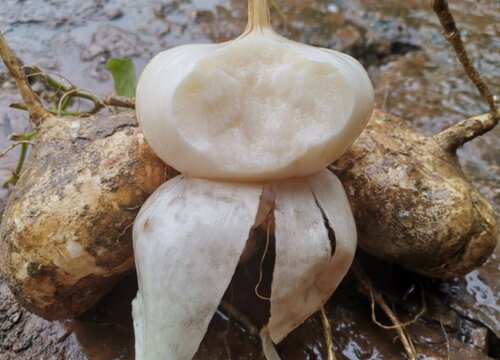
257 108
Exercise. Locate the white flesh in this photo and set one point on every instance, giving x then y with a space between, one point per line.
257 108
188 238
305 274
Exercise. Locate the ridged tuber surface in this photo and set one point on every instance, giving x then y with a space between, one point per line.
412 202
66 230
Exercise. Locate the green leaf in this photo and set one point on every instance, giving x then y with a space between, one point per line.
123 71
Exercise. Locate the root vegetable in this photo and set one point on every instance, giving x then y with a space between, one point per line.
251 124
412 203
239 110
66 230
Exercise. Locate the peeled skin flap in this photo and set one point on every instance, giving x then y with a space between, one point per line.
305 273
188 238
302 251
332 199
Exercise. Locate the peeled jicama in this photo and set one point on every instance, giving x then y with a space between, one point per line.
258 108
251 124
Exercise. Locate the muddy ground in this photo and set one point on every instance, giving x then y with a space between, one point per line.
416 76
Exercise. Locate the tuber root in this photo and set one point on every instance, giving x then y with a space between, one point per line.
412 202
66 230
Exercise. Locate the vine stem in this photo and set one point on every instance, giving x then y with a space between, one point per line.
74 91
258 16
24 141
35 107
33 103
11 147
466 130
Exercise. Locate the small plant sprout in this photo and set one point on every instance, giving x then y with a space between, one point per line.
252 125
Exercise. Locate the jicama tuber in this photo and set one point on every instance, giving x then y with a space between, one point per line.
66 230
248 122
412 202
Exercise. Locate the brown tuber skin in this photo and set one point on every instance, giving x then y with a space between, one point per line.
412 203
66 234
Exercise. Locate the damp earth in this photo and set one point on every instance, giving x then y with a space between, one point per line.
416 76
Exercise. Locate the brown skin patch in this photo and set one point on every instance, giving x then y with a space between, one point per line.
146 226
412 203
82 178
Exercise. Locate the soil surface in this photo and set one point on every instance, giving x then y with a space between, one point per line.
416 76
